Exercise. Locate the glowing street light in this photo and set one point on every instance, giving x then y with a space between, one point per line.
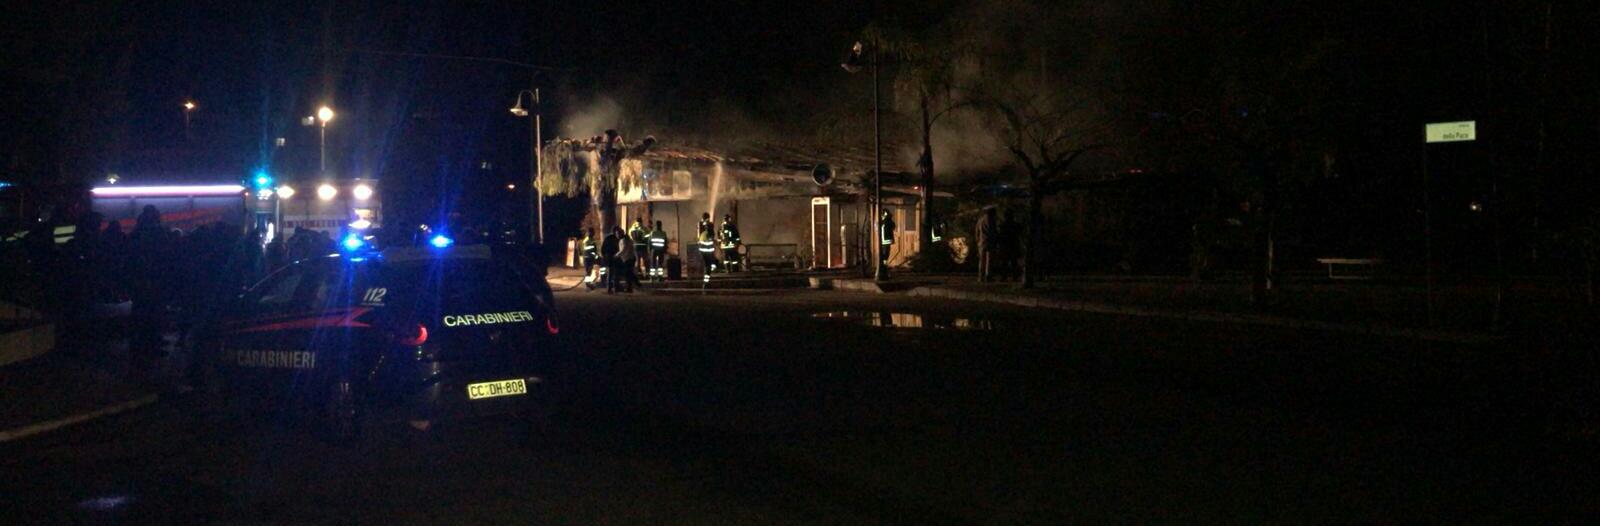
324 114
188 107
326 192
361 192
286 191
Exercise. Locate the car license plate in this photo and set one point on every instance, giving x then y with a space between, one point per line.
497 388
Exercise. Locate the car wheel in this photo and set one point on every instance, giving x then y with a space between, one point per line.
342 412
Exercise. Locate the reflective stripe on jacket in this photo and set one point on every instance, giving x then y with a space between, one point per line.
64 233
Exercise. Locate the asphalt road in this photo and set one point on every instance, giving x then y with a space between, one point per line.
748 408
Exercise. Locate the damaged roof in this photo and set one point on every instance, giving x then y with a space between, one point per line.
757 155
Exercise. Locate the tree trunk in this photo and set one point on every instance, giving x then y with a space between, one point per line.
925 170
606 209
1031 272
1262 280
1258 289
1589 288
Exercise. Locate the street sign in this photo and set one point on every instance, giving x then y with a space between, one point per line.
1452 131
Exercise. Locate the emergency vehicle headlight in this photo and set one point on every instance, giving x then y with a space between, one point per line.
441 241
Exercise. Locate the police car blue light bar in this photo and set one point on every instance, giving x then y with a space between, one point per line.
353 242
441 241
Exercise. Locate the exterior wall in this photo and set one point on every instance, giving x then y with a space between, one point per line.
769 209
782 220
329 216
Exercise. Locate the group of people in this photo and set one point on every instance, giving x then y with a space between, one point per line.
73 259
708 239
72 264
616 260
999 246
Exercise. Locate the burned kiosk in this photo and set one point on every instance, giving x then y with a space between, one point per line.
786 218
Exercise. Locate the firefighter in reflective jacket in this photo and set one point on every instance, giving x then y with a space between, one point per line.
707 237
885 240
658 253
591 256
641 244
730 244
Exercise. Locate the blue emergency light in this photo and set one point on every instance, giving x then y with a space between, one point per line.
353 242
441 241
262 180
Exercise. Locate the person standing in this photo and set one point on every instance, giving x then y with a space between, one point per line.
641 243
730 244
610 252
658 253
1010 234
708 249
148 249
986 240
886 228
627 263
591 257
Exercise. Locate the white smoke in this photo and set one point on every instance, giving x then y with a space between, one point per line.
592 117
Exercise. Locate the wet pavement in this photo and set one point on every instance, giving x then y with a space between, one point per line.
753 409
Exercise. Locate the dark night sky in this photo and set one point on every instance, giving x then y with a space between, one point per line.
671 68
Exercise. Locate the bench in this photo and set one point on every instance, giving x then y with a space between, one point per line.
1370 263
778 255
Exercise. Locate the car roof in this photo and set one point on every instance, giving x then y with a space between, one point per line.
403 254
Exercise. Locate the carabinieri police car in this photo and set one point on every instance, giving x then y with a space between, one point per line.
363 337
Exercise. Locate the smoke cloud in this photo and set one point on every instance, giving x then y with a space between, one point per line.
593 117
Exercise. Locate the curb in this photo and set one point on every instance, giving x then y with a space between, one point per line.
853 285
52 425
1206 316
26 343
716 283
867 284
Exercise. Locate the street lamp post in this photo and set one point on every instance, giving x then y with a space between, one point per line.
535 159
324 114
853 64
284 193
188 107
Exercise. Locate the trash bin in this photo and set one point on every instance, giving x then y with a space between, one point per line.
674 268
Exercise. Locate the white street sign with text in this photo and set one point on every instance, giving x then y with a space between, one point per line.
1452 131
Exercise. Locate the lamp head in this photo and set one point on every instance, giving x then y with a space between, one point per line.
857 59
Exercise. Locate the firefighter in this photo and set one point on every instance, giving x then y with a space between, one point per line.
730 244
591 257
641 244
708 249
885 241
658 253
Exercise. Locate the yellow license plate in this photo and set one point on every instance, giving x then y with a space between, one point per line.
497 388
